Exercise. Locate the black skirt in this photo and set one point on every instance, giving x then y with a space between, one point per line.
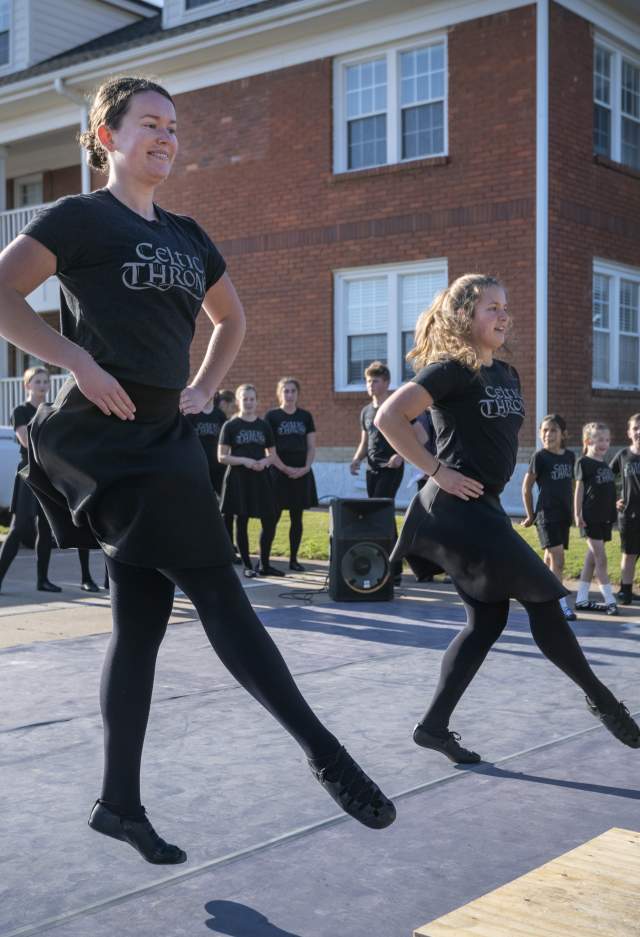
248 493
475 543
295 494
140 489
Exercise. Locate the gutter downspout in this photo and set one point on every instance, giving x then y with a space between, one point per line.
542 208
61 89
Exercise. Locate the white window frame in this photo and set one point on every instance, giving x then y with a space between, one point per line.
618 53
616 272
394 106
8 65
27 180
394 347
213 7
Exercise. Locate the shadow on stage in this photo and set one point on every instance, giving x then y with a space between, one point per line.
238 920
493 771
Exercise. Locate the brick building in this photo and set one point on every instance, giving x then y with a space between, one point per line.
350 157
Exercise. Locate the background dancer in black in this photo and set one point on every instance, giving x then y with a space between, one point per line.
595 510
551 469
207 425
246 449
225 400
385 467
457 520
114 460
626 464
291 473
27 515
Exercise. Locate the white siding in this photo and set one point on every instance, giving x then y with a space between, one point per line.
63 24
174 12
19 36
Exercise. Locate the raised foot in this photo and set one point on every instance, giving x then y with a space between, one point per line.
354 791
619 722
448 743
138 833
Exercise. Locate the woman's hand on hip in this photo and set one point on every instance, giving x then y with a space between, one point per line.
102 389
455 483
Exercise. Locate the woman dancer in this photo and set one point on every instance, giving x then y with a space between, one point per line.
457 520
246 449
295 487
25 509
114 459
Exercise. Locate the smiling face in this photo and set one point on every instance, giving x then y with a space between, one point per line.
633 433
551 436
598 444
145 144
490 321
38 387
247 402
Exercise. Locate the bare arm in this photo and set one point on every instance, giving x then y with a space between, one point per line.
225 311
225 457
24 265
578 498
527 498
394 420
359 454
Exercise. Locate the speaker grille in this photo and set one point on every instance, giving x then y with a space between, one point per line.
365 567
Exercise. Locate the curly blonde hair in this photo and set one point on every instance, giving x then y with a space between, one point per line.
442 331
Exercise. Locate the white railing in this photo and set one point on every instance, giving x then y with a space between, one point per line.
12 222
12 394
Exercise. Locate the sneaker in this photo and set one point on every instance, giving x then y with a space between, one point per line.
569 614
588 606
619 722
138 833
359 796
611 609
448 743
249 572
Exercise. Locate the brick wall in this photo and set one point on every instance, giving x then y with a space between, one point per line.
255 169
594 212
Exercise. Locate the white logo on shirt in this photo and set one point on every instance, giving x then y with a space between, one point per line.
561 470
162 268
291 427
501 402
249 435
604 475
632 468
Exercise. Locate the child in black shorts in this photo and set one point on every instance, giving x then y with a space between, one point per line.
627 464
595 508
551 469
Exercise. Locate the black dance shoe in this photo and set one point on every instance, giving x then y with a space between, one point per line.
269 571
446 742
619 722
88 585
45 585
138 833
354 791
296 567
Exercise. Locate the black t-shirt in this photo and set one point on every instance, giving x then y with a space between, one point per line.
290 429
477 417
379 451
626 464
22 416
599 500
247 438
554 477
130 288
207 427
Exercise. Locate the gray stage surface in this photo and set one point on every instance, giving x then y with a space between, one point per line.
268 855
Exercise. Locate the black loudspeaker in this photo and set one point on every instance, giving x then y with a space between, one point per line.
361 537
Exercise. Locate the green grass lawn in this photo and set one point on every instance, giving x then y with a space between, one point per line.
315 543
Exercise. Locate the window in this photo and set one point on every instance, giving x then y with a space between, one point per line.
616 326
376 310
390 106
218 6
5 26
616 96
27 190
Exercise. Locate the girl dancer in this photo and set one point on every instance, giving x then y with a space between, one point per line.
627 464
114 459
551 469
207 425
457 520
295 488
246 448
595 508
24 507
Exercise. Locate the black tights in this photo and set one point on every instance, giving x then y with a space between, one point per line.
44 542
266 539
141 602
485 624
295 536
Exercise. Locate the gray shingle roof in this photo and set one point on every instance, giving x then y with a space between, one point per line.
144 32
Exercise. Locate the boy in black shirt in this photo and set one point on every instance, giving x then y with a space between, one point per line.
627 464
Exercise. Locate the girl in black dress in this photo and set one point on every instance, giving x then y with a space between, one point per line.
457 520
294 484
114 461
207 425
25 509
551 469
626 464
246 449
595 508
